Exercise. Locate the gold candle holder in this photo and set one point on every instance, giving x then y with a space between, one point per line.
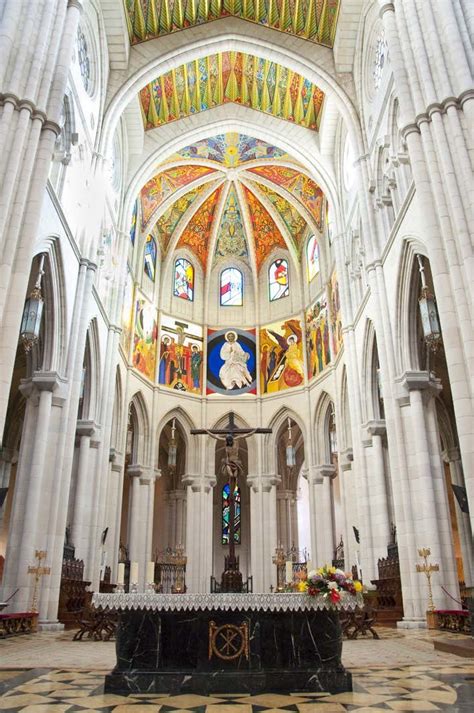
427 568
38 571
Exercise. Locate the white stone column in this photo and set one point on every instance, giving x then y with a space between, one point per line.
319 482
199 531
135 471
349 504
80 530
263 530
147 491
377 492
114 510
431 526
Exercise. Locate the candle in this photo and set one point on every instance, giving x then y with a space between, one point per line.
150 573
121 573
133 572
309 567
289 571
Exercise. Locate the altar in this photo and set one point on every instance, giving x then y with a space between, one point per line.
211 643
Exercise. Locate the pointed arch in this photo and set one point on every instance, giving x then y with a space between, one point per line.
406 305
117 412
324 409
141 445
185 423
346 426
270 444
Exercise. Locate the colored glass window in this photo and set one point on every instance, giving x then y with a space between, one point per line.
183 279
312 255
278 279
133 224
226 514
231 287
149 260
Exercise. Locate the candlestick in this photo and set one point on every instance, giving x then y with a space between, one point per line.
150 573
288 572
121 573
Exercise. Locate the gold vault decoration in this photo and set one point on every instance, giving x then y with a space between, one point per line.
228 77
313 20
228 641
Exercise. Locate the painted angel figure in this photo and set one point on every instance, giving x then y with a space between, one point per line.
234 372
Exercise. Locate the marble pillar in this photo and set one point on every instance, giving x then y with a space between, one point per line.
263 530
199 525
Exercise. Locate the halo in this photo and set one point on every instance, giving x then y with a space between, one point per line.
231 331
290 339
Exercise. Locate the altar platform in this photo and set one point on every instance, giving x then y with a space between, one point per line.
211 643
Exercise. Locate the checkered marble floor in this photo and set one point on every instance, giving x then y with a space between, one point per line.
427 681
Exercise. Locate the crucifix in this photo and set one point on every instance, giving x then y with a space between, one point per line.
231 468
38 571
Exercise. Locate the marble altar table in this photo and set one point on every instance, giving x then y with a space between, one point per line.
211 643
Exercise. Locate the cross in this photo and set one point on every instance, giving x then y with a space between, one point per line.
231 578
38 571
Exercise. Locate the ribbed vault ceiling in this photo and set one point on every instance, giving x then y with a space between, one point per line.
231 196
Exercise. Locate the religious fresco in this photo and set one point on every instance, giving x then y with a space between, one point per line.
157 190
231 77
312 20
300 186
144 338
318 350
265 232
281 356
231 150
231 362
231 240
168 222
127 314
183 286
197 234
312 257
278 280
181 355
293 220
335 314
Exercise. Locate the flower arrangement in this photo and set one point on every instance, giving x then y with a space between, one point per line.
329 582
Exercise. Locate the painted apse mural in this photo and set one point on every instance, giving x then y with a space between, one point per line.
231 361
127 314
181 356
318 351
281 356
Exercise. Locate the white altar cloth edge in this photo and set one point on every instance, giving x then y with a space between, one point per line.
227 602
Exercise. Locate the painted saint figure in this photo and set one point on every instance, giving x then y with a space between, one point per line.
196 361
234 372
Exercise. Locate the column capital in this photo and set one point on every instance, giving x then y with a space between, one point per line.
423 381
86 428
136 470
327 470
453 454
264 481
199 482
346 459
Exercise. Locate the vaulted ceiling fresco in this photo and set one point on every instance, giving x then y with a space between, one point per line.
313 20
245 200
229 77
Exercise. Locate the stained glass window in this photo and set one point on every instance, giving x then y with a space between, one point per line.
149 260
312 255
226 514
183 279
278 279
231 288
83 57
133 224
379 60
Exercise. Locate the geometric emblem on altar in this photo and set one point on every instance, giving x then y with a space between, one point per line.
228 641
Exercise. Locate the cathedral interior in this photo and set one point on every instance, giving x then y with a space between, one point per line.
247 217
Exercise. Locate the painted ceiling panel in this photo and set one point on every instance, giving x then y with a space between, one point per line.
231 239
265 232
231 149
166 224
296 183
313 20
231 77
164 184
197 234
293 220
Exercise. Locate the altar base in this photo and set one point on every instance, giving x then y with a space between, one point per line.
218 650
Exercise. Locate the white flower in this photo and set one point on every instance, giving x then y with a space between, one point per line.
311 574
332 585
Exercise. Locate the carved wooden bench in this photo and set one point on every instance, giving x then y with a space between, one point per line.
96 624
359 621
18 623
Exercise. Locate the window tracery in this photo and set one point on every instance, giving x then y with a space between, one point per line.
278 279
231 287
312 257
183 279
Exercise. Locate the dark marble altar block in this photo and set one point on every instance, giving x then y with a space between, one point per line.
171 651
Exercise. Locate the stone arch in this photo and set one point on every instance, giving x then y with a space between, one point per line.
369 386
322 417
117 413
141 447
270 440
91 387
185 424
346 426
406 305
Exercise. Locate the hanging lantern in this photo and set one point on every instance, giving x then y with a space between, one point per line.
32 313
172 450
428 313
290 451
